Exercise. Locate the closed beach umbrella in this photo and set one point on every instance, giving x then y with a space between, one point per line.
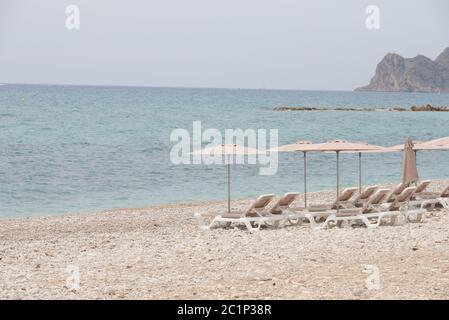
409 172
338 146
304 147
229 151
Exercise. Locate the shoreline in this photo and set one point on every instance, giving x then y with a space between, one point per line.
157 252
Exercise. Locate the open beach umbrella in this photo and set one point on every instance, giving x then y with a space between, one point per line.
441 143
338 146
437 144
304 147
229 151
409 172
377 150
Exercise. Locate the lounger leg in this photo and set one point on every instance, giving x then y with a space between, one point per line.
201 224
316 226
444 203
418 216
292 220
275 224
249 226
312 221
298 221
368 223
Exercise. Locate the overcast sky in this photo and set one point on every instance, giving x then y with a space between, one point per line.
282 44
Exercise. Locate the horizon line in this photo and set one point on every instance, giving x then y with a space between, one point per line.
201 88
168 87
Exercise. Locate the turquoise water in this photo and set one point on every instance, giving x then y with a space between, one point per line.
69 149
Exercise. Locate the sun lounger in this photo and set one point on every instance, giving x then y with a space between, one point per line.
253 217
320 212
363 197
375 210
431 199
351 214
396 191
283 207
344 201
403 202
421 188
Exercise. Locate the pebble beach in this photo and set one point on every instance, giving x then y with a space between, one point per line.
158 252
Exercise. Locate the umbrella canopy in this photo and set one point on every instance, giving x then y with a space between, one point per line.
301 145
409 172
345 146
441 143
336 146
418 145
228 150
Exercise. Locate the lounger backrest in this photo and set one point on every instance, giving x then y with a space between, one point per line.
287 199
379 197
347 194
367 193
406 194
445 193
260 203
396 191
422 186
399 188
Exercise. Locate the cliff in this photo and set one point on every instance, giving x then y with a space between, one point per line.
419 74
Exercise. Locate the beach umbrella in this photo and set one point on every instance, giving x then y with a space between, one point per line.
304 147
409 172
441 143
377 150
419 145
339 146
229 151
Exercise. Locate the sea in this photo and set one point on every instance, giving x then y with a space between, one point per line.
80 149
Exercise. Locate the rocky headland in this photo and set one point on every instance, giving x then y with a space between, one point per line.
419 74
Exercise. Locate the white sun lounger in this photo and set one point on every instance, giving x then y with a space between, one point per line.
421 188
253 217
396 191
344 201
363 197
402 203
283 207
431 199
375 210
350 214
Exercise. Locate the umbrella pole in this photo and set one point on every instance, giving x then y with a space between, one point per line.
360 172
229 187
416 162
305 179
338 181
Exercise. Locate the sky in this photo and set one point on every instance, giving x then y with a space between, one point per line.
272 44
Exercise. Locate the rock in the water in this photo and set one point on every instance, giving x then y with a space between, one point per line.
419 74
